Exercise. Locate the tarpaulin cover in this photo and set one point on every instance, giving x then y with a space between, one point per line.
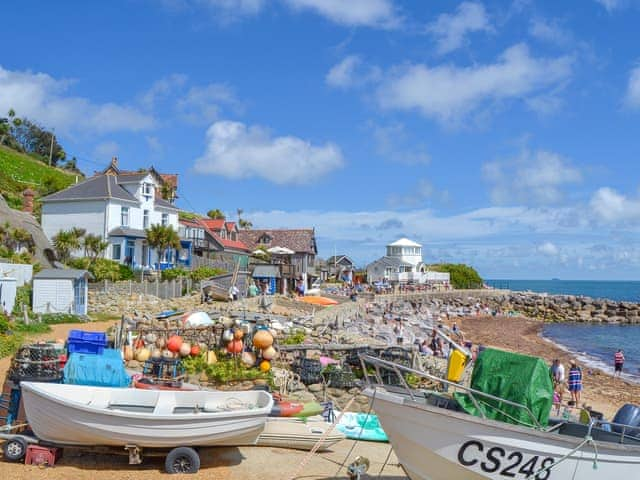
106 370
519 378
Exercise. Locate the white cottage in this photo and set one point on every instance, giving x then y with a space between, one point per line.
403 264
118 208
60 291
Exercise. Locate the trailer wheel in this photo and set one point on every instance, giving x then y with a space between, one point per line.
182 460
15 449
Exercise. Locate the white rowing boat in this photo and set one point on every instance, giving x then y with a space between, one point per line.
84 415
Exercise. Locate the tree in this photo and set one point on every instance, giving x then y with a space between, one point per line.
94 245
245 224
161 238
461 276
216 214
65 242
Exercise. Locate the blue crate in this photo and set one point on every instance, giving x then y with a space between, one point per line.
80 341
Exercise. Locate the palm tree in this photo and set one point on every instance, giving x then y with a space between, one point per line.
245 224
65 242
216 214
94 245
161 238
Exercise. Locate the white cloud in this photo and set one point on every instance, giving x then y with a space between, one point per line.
549 31
204 104
237 151
350 72
450 30
155 145
369 13
199 104
633 88
42 98
106 150
611 5
391 142
548 248
532 177
449 93
162 88
610 206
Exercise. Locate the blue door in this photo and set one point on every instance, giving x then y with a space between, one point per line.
129 252
79 287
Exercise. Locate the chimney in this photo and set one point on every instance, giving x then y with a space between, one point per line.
114 162
27 200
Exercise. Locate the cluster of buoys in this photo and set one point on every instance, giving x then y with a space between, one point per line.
234 341
154 347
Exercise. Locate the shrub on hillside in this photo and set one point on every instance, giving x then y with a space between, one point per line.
126 272
462 276
203 272
23 297
173 273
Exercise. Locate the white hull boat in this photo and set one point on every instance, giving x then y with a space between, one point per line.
84 415
434 440
298 434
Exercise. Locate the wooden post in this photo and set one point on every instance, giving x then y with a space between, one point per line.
130 288
25 314
157 286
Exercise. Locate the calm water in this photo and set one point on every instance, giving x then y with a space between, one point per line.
596 344
613 290
593 344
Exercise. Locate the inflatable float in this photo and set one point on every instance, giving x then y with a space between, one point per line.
362 426
314 300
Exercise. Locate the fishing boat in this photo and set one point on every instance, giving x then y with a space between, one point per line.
85 415
299 434
434 438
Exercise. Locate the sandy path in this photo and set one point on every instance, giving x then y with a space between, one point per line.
600 390
60 331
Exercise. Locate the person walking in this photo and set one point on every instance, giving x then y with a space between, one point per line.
618 363
575 382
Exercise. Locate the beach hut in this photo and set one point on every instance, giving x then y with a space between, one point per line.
267 274
61 291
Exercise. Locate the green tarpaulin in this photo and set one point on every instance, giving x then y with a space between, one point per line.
519 378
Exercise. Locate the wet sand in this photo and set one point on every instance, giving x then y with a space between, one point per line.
600 390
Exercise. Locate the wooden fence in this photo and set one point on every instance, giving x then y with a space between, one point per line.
162 289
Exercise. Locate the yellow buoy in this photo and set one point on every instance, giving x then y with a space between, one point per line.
265 366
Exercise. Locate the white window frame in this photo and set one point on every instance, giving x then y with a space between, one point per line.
147 189
124 215
164 219
145 219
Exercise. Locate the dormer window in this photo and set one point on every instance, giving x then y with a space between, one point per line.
147 190
265 239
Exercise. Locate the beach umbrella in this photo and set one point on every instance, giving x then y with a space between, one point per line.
280 251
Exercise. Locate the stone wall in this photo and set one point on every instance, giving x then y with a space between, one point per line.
553 308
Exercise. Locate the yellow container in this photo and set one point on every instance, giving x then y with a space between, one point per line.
455 368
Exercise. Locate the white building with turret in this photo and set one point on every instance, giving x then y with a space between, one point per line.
403 264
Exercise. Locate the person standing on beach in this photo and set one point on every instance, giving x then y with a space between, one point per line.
575 382
618 362
557 372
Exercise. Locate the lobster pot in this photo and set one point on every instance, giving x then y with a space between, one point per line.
37 363
310 371
163 369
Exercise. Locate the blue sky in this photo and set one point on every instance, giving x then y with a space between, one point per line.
499 133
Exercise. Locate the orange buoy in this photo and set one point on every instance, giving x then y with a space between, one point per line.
265 366
195 350
174 343
234 346
238 334
262 339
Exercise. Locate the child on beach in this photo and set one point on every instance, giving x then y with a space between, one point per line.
618 362
575 382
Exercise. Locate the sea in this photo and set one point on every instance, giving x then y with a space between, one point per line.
592 344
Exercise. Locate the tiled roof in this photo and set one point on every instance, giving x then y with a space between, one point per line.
62 273
225 242
162 203
230 226
131 177
170 179
300 241
214 224
237 244
127 232
98 187
190 223
390 262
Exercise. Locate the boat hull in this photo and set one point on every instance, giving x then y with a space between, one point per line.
436 444
298 434
58 421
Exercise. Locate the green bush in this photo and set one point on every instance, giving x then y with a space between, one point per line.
4 324
462 276
126 272
31 328
56 318
203 272
173 273
295 338
9 344
23 297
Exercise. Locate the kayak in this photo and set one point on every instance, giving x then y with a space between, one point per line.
324 301
362 426
286 409
310 409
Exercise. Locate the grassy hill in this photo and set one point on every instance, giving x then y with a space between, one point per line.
19 171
